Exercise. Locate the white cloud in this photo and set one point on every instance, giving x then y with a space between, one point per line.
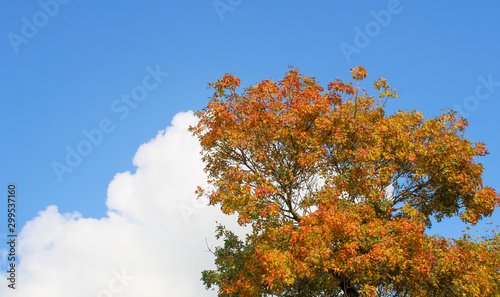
152 242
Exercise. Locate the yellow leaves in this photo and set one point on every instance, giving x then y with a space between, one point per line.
385 91
275 266
412 157
380 83
419 176
269 149
358 73
484 201
389 93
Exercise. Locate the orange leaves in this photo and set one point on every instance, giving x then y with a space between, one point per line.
341 87
358 73
338 193
480 149
228 81
484 201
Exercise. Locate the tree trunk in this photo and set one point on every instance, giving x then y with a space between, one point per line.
345 285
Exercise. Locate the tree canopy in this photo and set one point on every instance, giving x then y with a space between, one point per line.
339 194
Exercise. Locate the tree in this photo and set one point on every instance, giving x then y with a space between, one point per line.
339 194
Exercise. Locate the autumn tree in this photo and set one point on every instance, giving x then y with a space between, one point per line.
339 194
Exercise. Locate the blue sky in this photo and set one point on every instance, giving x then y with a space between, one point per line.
66 65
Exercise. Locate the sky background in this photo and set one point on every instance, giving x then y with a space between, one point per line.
67 67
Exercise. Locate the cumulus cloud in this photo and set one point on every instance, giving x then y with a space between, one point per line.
151 243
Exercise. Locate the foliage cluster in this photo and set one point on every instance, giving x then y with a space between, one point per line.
338 193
